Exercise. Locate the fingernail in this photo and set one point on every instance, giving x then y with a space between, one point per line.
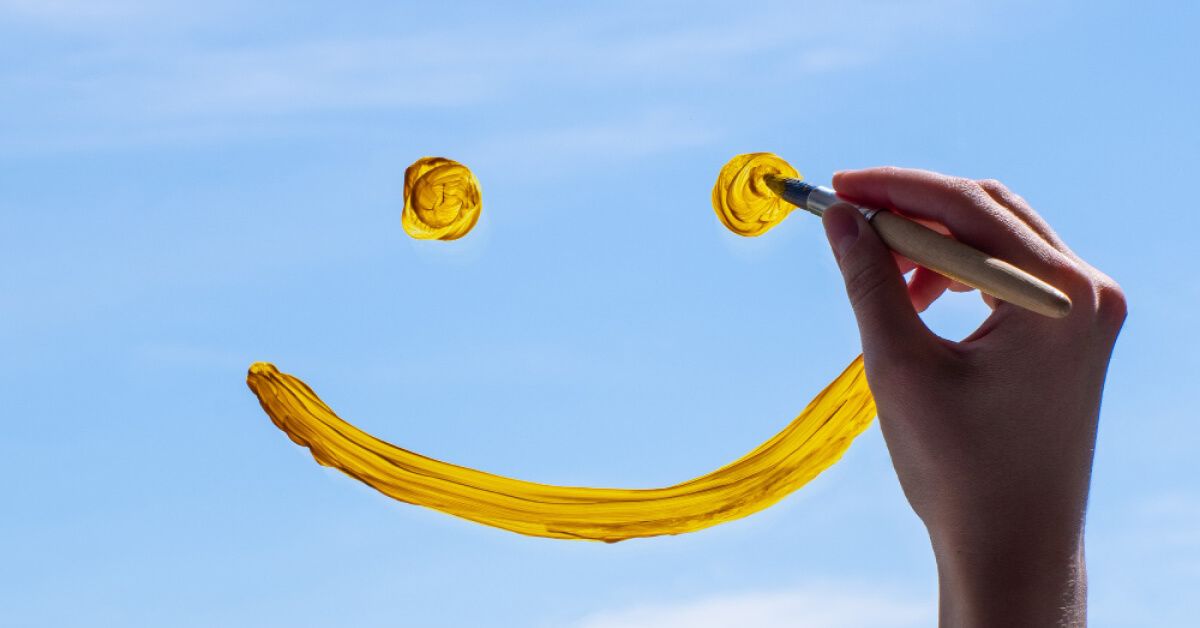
841 228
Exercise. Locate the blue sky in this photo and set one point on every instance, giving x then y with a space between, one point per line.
186 188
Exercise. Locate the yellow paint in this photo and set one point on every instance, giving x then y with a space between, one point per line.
441 199
742 199
805 447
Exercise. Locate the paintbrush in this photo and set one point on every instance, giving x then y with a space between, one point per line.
937 252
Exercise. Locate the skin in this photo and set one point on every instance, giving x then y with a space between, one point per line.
992 436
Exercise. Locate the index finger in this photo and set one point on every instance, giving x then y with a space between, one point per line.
963 205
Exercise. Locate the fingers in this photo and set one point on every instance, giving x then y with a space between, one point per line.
1017 205
887 322
964 206
1107 302
925 287
903 263
959 287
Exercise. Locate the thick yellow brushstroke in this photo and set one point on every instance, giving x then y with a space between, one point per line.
442 201
742 199
807 446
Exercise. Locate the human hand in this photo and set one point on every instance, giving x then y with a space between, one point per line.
992 436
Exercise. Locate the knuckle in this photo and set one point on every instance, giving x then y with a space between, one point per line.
993 185
1003 195
1076 280
1111 304
1076 276
969 188
965 185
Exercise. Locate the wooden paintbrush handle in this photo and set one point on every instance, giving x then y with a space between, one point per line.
970 266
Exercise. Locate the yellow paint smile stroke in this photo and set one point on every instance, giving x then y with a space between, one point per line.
803 449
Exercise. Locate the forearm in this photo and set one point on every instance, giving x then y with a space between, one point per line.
1029 583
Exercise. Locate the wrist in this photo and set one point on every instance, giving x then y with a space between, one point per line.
1033 580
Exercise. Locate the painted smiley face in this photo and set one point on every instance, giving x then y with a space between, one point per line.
443 202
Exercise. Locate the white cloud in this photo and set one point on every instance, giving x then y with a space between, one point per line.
815 606
135 71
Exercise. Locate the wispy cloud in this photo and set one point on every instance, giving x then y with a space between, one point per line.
816 606
113 73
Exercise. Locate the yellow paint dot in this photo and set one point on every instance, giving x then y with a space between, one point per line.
441 199
742 199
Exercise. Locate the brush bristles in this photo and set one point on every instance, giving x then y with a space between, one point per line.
777 183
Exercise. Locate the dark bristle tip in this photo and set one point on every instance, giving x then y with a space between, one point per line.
776 183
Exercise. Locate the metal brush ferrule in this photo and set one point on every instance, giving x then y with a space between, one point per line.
814 199
821 198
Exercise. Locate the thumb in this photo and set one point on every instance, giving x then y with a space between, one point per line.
887 321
